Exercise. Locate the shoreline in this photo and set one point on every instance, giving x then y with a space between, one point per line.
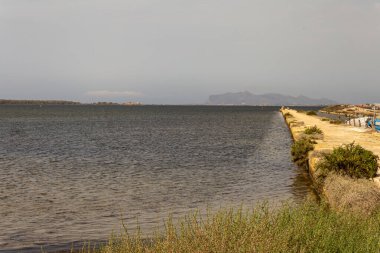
338 188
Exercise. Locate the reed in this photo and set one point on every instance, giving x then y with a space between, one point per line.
308 227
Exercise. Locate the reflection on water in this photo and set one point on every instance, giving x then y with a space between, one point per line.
70 173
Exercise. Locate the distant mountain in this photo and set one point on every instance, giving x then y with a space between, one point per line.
247 98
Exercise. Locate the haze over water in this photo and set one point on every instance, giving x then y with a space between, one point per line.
69 173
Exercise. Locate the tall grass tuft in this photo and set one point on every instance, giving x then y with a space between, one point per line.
300 150
305 228
313 130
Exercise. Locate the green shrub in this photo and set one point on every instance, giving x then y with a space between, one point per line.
300 150
352 160
325 119
313 130
311 113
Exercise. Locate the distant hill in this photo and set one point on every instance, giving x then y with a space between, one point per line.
247 98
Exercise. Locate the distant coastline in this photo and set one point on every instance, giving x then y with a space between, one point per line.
37 102
60 102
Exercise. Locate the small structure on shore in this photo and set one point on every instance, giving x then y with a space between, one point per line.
374 123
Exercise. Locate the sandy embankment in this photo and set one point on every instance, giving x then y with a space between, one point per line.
334 136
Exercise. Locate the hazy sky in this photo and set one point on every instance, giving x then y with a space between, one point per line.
177 51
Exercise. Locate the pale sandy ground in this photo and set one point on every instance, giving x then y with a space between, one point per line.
336 135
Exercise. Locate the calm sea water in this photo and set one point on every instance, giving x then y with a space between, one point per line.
71 173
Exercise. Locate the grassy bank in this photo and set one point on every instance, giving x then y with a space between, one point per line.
304 228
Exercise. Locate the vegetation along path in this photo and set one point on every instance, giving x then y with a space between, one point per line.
341 192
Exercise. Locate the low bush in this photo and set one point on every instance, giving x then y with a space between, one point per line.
300 150
325 119
313 130
351 160
311 113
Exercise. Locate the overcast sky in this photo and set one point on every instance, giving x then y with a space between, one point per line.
181 51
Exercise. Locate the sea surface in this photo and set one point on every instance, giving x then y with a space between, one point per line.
73 173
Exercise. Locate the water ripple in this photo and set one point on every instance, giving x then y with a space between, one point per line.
71 173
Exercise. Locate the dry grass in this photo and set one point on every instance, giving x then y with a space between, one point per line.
296 123
344 193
